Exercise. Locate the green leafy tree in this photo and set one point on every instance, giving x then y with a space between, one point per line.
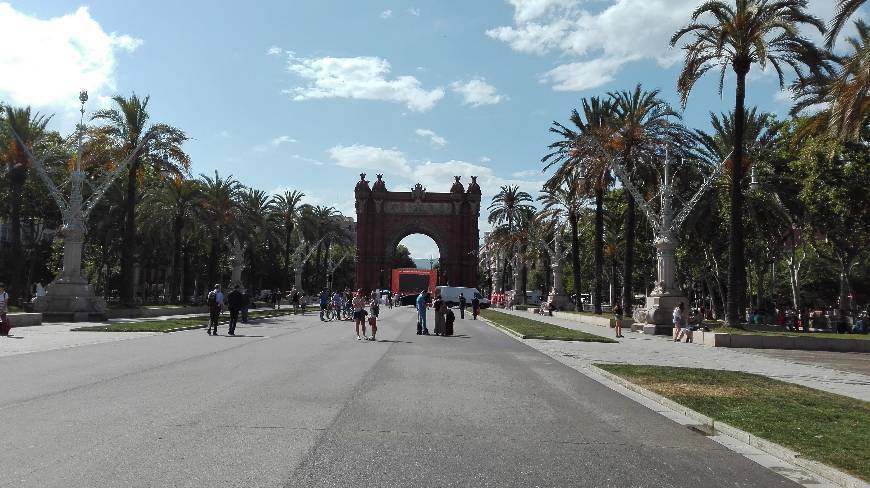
402 258
286 209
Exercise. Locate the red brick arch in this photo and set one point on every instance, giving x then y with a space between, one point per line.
384 218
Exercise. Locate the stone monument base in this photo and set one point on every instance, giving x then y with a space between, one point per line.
70 300
659 313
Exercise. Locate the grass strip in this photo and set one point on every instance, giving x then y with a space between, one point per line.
171 325
818 335
533 329
828 428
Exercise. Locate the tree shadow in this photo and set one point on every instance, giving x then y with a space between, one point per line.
242 335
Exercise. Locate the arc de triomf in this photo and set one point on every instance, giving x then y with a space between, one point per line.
384 218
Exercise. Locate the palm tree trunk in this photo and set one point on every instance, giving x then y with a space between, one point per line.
175 288
628 262
735 241
599 249
16 282
575 258
128 246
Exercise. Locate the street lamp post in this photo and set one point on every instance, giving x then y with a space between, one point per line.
70 294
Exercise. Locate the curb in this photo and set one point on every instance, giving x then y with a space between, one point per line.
542 338
714 427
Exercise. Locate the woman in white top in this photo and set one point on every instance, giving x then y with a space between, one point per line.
678 321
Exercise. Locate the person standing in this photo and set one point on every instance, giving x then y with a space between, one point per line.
294 298
421 313
374 311
448 323
438 306
475 307
359 314
617 319
215 302
246 305
678 321
4 308
462 304
234 303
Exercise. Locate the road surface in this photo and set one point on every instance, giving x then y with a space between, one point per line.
299 403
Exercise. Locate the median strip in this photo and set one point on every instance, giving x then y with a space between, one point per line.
817 425
527 328
175 325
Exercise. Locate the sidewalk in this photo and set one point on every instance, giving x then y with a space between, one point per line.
637 348
60 335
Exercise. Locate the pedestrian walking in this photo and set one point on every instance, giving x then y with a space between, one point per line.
374 310
246 305
462 304
234 303
475 307
421 313
303 302
294 299
439 307
215 302
678 320
617 319
359 314
5 327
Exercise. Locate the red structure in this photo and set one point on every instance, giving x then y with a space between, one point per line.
386 217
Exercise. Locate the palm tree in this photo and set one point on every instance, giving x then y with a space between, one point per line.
580 150
180 197
509 208
220 208
258 233
30 127
286 212
642 130
125 127
754 31
842 89
562 197
845 10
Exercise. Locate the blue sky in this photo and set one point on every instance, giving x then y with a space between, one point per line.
306 95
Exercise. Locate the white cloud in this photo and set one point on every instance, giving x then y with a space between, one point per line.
438 177
315 162
434 138
485 159
529 173
274 50
413 11
361 78
45 62
387 14
274 143
476 92
599 44
370 158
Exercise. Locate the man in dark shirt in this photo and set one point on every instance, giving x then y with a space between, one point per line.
234 303
462 304
475 307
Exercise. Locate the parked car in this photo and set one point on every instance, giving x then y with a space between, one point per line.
450 294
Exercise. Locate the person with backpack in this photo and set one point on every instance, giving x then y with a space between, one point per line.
462 304
215 303
475 307
234 303
294 299
4 308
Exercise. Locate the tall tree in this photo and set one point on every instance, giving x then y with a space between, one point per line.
580 150
220 208
30 127
763 32
509 207
125 126
286 210
845 10
562 198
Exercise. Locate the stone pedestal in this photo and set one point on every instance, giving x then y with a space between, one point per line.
69 297
660 310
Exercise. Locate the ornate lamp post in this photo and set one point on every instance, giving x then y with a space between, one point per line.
70 294
666 295
557 296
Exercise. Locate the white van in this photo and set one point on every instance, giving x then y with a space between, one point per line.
450 294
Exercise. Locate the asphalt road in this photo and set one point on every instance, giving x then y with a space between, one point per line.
294 402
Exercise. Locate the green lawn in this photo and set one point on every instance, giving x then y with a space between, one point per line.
171 324
534 329
820 335
828 428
